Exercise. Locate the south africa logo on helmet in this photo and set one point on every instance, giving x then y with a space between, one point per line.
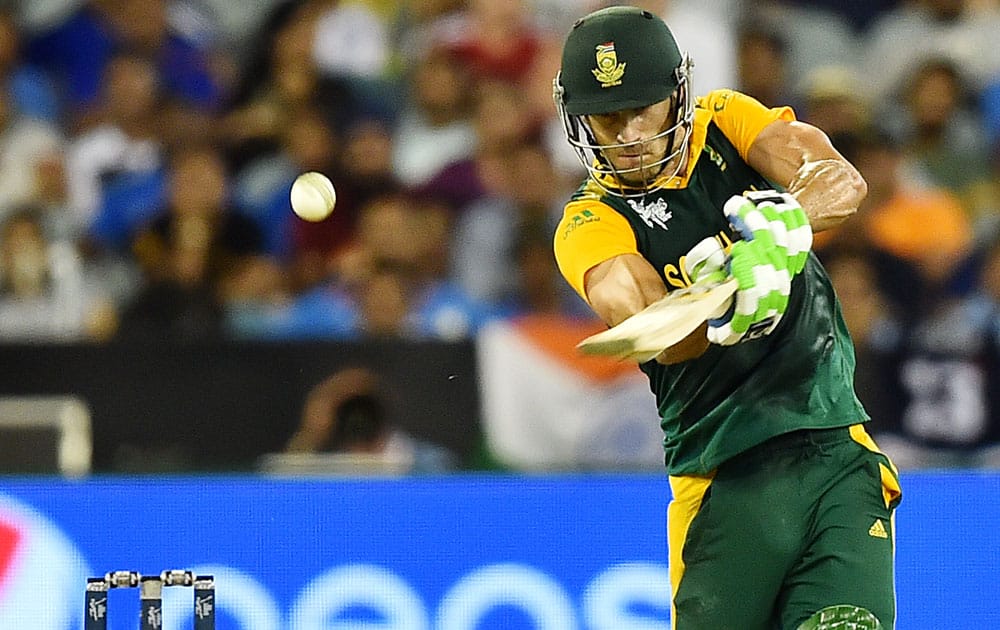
608 71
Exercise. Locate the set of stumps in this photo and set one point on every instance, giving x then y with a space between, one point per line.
150 597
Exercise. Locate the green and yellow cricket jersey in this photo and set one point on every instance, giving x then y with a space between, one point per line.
730 398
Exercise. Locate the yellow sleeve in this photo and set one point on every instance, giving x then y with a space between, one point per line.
589 233
740 117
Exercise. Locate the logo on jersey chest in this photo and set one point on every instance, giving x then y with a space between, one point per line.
654 214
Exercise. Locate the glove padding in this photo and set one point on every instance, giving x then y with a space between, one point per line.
774 246
785 214
706 258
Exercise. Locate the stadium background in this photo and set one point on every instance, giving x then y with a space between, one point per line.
541 501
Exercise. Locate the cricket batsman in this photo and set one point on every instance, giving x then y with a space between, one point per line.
782 505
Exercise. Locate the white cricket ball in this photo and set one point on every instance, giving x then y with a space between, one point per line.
313 196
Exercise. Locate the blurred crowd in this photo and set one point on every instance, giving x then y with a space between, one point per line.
147 149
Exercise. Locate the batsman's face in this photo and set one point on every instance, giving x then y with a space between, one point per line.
634 142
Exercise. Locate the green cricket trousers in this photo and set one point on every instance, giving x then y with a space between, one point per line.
799 523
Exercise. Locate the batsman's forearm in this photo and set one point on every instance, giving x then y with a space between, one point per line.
621 287
829 190
802 158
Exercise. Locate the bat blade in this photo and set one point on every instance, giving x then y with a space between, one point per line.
661 324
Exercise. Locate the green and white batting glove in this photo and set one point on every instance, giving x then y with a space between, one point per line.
763 264
789 224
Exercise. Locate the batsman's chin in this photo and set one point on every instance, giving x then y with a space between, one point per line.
634 177
641 171
632 163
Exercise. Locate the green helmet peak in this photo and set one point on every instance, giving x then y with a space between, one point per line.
618 58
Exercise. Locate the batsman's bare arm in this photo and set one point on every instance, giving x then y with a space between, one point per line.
801 158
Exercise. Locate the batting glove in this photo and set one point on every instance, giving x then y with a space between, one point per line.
774 245
789 223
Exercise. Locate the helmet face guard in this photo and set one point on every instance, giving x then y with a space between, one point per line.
616 59
625 182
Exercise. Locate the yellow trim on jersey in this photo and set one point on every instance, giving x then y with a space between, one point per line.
688 491
740 117
591 232
891 490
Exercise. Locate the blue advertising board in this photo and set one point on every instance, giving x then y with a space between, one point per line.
568 552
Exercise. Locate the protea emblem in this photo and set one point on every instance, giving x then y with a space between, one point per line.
608 71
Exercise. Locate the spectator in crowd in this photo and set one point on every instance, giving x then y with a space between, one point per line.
705 30
33 174
280 81
435 127
31 91
384 302
831 101
114 167
497 233
945 378
107 29
493 40
366 161
500 128
875 326
45 293
540 289
893 220
28 147
814 36
762 64
963 31
348 414
194 254
536 95
405 265
391 283
943 136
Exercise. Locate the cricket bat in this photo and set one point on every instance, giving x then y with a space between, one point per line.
663 323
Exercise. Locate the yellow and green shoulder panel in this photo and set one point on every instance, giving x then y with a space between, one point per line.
589 233
740 117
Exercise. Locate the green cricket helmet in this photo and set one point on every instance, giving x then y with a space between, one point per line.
621 58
